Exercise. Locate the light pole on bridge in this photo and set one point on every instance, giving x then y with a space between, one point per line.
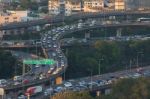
137 58
99 65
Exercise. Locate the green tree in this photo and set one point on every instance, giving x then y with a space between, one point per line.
73 95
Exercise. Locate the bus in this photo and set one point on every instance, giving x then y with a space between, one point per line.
143 19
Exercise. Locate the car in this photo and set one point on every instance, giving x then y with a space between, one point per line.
100 82
67 84
82 83
21 97
53 54
17 78
60 56
62 64
46 93
3 81
49 45
25 81
49 71
58 51
53 38
49 90
136 75
54 45
16 83
58 89
49 37
37 66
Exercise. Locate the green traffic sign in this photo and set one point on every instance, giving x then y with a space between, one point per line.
39 62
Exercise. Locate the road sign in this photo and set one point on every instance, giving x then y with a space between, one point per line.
39 62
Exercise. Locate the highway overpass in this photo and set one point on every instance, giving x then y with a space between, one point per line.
75 17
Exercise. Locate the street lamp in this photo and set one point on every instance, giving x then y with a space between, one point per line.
99 66
130 64
91 78
137 58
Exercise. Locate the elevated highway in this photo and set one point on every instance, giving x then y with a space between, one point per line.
75 17
21 44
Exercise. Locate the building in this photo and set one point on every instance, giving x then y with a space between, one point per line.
119 5
91 5
137 4
12 16
71 6
53 7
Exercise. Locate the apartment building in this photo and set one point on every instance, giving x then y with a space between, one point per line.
12 16
93 4
119 4
53 7
71 6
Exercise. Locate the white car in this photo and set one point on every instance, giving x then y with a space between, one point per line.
16 83
68 84
82 83
3 81
17 78
53 54
55 45
22 97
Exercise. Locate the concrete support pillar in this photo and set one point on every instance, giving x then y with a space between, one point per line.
98 93
22 31
87 35
15 31
119 31
7 32
1 34
107 91
128 18
52 82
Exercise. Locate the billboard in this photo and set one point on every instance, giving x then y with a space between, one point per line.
39 61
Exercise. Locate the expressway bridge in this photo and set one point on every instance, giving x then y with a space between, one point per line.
20 44
38 25
75 17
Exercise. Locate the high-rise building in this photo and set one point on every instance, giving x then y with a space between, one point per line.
53 7
93 5
119 4
66 7
137 4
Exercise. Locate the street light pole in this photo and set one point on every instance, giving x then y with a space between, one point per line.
130 64
137 59
91 79
99 68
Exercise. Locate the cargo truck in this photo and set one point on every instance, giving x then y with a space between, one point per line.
33 90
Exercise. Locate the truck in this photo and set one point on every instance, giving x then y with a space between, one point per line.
33 90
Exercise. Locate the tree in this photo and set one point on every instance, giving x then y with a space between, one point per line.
7 62
73 95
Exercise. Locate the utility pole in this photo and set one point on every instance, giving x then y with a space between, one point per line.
91 79
130 64
137 58
99 66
